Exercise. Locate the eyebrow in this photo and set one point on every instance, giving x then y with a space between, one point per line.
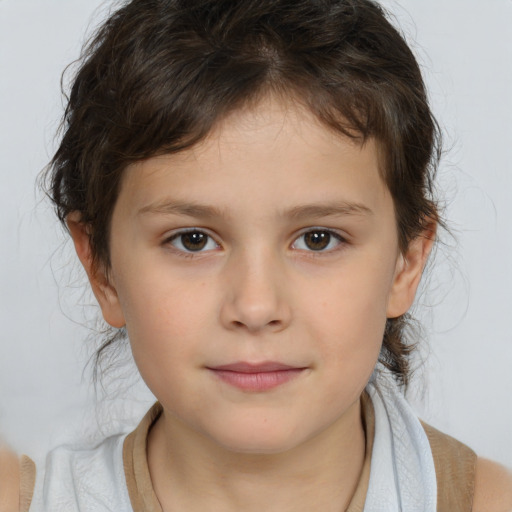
335 209
170 207
332 209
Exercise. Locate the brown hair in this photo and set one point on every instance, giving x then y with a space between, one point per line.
159 74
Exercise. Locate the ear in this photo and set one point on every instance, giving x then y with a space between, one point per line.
409 269
102 286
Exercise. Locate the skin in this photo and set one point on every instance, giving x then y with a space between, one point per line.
9 480
256 292
493 487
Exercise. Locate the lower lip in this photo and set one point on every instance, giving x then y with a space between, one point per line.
258 381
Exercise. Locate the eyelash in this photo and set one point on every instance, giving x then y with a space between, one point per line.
341 241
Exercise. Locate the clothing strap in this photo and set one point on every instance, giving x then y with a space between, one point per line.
138 478
368 419
455 471
27 482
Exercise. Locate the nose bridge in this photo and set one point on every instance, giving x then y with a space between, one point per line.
255 297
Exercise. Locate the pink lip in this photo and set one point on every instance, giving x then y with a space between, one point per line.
256 377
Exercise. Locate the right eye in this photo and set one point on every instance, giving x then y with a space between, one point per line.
193 241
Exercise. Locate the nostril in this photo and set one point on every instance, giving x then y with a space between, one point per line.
272 323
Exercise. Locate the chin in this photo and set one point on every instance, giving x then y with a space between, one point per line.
266 439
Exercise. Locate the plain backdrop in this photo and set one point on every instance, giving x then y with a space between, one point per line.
464 388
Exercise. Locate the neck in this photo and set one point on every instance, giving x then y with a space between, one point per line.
190 472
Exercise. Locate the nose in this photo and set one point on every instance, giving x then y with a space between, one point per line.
255 294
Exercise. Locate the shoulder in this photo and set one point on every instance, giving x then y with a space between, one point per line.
9 480
73 478
84 477
482 485
493 487
455 470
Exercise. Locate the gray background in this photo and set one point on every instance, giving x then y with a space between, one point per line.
46 397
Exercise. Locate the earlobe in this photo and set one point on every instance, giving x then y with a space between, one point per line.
102 287
409 269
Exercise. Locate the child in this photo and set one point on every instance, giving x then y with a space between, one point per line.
249 188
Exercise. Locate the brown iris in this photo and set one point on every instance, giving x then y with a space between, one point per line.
317 240
194 241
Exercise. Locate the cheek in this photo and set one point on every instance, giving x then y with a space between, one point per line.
349 316
160 299
164 318
348 346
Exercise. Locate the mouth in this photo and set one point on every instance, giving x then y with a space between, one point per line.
256 377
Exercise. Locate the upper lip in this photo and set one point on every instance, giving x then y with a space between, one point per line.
244 367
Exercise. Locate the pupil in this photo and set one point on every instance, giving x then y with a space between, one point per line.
317 240
194 241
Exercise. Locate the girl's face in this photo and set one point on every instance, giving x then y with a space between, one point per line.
254 273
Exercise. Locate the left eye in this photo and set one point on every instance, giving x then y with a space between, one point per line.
193 241
318 240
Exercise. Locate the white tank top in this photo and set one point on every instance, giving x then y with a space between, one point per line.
83 480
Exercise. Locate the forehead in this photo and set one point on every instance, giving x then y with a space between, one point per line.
270 155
